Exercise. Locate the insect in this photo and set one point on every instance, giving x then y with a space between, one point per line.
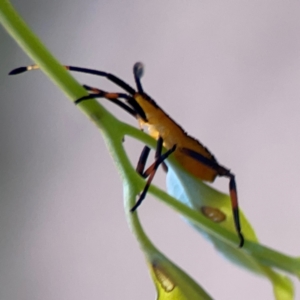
194 157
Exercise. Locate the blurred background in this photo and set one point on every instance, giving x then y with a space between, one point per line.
227 71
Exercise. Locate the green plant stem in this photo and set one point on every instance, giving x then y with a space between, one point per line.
96 112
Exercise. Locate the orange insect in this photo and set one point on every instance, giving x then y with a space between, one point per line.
194 157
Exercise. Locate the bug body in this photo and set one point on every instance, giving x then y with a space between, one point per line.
195 158
159 124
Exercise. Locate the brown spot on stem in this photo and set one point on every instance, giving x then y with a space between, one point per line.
166 283
214 214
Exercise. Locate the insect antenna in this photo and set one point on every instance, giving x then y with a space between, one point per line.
138 72
109 76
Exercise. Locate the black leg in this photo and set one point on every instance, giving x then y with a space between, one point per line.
158 153
151 172
132 108
112 97
142 161
131 101
222 171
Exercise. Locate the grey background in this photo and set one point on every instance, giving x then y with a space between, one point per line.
227 71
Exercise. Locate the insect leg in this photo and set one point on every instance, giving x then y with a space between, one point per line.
235 207
109 76
151 172
222 171
132 108
142 161
158 151
159 146
112 97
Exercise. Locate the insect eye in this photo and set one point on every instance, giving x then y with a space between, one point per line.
138 69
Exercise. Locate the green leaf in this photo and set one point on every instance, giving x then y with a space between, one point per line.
196 194
174 284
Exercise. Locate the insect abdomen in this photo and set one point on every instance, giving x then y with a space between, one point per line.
160 124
